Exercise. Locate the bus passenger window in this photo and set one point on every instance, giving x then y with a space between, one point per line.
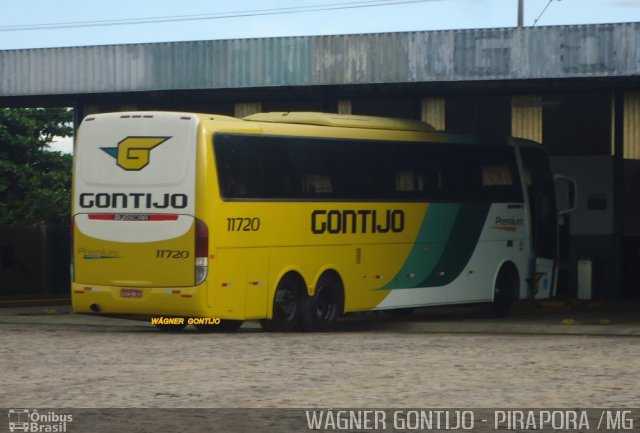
408 181
316 184
233 188
495 175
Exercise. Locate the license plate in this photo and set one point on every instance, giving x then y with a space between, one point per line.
131 293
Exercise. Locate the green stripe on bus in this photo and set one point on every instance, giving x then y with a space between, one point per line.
460 245
430 242
445 242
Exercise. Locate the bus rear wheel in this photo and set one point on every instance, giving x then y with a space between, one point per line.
321 311
286 305
503 292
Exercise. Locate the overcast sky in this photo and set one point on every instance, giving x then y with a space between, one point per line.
37 23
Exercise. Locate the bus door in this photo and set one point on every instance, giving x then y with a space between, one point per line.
543 220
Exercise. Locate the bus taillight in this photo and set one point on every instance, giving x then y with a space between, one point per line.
202 251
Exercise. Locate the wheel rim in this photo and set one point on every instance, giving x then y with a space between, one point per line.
326 306
286 304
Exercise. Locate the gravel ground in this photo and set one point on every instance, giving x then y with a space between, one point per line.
72 361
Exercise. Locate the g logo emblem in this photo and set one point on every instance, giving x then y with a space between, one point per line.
134 153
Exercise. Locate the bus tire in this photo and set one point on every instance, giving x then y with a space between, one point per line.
286 305
504 290
224 326
321 311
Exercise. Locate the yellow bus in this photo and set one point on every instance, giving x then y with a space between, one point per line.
297 218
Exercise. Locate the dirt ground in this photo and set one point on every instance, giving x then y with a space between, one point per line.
73 361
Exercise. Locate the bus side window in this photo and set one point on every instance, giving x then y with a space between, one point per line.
409 181
496 175
461 176
238 169
316 184
498 182
233 187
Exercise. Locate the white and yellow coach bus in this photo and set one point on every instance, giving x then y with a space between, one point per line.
297 218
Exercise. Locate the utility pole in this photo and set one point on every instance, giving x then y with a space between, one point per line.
541 13
520 13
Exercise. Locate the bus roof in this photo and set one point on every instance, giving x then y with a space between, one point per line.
341 120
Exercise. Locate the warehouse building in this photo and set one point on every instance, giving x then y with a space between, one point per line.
576 89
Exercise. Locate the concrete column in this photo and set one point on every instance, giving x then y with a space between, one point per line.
618 190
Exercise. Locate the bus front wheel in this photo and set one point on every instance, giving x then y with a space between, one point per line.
286 305
320 311
503 292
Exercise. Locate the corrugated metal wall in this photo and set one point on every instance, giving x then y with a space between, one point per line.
457 55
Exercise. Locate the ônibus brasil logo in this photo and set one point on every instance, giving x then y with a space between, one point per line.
133 153
27 420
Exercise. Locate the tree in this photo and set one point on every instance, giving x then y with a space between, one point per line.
35 183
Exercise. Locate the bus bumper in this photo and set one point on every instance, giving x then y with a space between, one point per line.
140 301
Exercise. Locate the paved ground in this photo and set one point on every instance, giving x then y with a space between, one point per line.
438 358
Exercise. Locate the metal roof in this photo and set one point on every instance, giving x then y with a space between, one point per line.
603 50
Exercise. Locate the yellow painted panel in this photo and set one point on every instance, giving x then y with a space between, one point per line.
166 263
239 283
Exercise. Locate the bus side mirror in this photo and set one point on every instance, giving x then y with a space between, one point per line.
566 193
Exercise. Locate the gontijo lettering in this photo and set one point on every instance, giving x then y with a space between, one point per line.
132 200
440 420
357 221
181 320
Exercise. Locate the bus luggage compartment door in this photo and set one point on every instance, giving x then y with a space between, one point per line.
239 289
